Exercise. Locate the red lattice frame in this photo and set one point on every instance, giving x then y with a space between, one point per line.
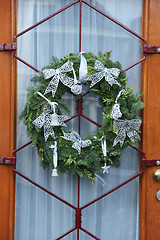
79 114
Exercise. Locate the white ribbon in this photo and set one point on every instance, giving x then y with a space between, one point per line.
53 104
83 68
119 94
55 159
75 88
75 78
104 149
105 168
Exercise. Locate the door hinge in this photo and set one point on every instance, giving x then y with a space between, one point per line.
150 162
151 49
8 46
8 160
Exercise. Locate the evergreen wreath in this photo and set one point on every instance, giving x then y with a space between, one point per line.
94 151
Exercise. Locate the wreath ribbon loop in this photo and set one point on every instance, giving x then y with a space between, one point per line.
126 127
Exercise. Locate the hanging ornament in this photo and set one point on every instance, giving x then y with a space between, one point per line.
55 159
105 168
49 120
57 75
83 68
116 112
104 150
76 87
128 127
109 73
78 142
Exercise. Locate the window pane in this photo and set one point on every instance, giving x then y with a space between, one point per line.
39 216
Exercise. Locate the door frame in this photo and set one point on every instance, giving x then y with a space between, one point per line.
149 205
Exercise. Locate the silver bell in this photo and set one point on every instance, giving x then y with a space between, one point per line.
116 112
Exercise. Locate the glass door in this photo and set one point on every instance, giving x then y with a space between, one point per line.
39 215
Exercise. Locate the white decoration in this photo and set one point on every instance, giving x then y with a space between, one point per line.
105 168
110 74
83 68
55 159
76 88
45 120
126 127
49 120
78 142
116 112
57 75
104 149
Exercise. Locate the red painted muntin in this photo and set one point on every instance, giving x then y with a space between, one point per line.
78 209
79 114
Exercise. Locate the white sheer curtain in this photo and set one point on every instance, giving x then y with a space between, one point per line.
39 216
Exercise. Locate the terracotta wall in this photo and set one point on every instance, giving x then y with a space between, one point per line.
7 118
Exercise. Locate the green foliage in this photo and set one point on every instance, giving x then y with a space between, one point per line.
91 159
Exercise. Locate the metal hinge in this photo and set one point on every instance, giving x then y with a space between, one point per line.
150 162
8 160
8 46
151 49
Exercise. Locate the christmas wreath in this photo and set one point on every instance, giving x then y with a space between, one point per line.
43 114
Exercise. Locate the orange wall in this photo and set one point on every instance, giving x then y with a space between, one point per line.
7 118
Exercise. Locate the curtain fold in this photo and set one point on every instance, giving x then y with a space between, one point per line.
39 216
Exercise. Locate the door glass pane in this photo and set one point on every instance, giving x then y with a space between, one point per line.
37 215
44 9
129 13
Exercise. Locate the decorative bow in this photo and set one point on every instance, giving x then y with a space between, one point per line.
45 120
48 119
57 75
78 142
128 127
109 73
